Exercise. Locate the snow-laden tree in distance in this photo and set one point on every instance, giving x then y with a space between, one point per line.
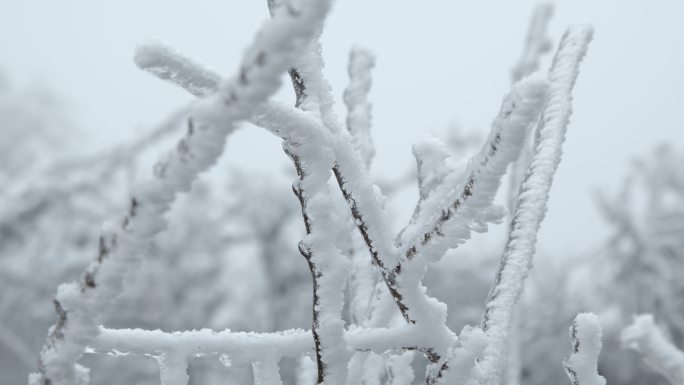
355 261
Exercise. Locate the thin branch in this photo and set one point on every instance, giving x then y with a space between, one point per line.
453 213
531 206
537 42
657 352
173 368
361 62
582 366
329 269
244 348
266 372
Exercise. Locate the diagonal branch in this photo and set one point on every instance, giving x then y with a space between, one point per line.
453 212
537 42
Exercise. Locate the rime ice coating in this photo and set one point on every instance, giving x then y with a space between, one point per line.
531 205
163 61
582 366
644 336
361 61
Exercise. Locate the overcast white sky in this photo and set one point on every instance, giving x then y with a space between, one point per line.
438 62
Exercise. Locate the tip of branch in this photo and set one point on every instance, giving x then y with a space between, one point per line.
150 53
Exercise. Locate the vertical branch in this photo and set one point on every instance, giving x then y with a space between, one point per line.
657 352
361 61
516 260
329 268
582 366
163 61
537 43
399 370
173 368
266 372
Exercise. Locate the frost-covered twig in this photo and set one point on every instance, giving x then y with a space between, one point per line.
243 348
165 62
532 200
460 206
79 306
361 61
537 42
456 209
266 372
582 366
329 268
660 354
458 366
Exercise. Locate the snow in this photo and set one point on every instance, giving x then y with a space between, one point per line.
361 62
80 306
660 354
447 219
266 372
461 360
537 42
532 199
582 366
163 61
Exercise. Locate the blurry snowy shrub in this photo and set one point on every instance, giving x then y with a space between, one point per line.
641 264
655 349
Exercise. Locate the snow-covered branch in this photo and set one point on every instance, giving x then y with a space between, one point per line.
243 348
660 354
532 201
165 62
582 366
361 61
453 212
537 42
460 364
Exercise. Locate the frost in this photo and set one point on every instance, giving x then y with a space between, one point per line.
79 307
660 354
361 62
531 205
582 366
